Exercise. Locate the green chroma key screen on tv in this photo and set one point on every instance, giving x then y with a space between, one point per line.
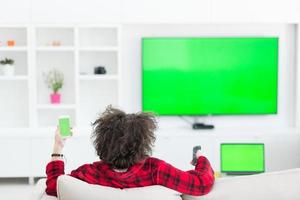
201 76
242 158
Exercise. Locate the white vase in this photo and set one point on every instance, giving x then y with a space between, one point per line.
8 70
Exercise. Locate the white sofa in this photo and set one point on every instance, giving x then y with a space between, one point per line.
282 185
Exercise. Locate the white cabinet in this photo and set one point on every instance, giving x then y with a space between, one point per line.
79 151
255 11
15 157
41 150
157 11
177 150
281 147
28 155
282 152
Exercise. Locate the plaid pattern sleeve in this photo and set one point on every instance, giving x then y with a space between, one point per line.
53 170
194 182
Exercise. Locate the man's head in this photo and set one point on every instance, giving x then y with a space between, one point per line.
121 139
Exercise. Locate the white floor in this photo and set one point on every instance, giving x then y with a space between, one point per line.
15 189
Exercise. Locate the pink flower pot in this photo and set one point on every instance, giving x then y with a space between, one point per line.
55 98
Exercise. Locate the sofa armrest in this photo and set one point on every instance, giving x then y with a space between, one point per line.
39 191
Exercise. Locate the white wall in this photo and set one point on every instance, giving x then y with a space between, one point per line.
297 74
154 11
15 11
131 68
177 11
62 11
255 10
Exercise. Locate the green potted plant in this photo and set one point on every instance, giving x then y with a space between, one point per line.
54 80
7 66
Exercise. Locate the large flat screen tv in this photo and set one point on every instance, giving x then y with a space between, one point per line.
210 76
242 158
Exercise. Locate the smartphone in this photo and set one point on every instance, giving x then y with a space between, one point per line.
194 159
64 126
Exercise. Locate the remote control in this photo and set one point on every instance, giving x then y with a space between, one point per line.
195 149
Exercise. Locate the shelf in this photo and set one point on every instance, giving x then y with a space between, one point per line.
17 34
98 36
21 60
104 48
45 36
88 60
98 77
13 78
56 106
63 61
14 108
14 48
56 48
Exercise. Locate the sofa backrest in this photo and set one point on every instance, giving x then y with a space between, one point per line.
281 185
70 188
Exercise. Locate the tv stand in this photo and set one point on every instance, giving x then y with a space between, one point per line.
202 126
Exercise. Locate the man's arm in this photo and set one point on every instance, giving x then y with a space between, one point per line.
55 168
194 182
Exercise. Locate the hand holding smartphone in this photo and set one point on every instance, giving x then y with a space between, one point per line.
64 126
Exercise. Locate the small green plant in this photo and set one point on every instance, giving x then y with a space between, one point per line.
7 61
54 79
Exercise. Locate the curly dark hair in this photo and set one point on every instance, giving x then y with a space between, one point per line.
122 140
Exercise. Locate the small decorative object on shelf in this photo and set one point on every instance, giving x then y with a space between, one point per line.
7 67
99 70
11 43
56 43
54 79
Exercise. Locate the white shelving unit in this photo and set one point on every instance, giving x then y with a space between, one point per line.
26 114
78 51
14 90
73 49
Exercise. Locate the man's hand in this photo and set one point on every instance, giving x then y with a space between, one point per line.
196 154
59 144
59 141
